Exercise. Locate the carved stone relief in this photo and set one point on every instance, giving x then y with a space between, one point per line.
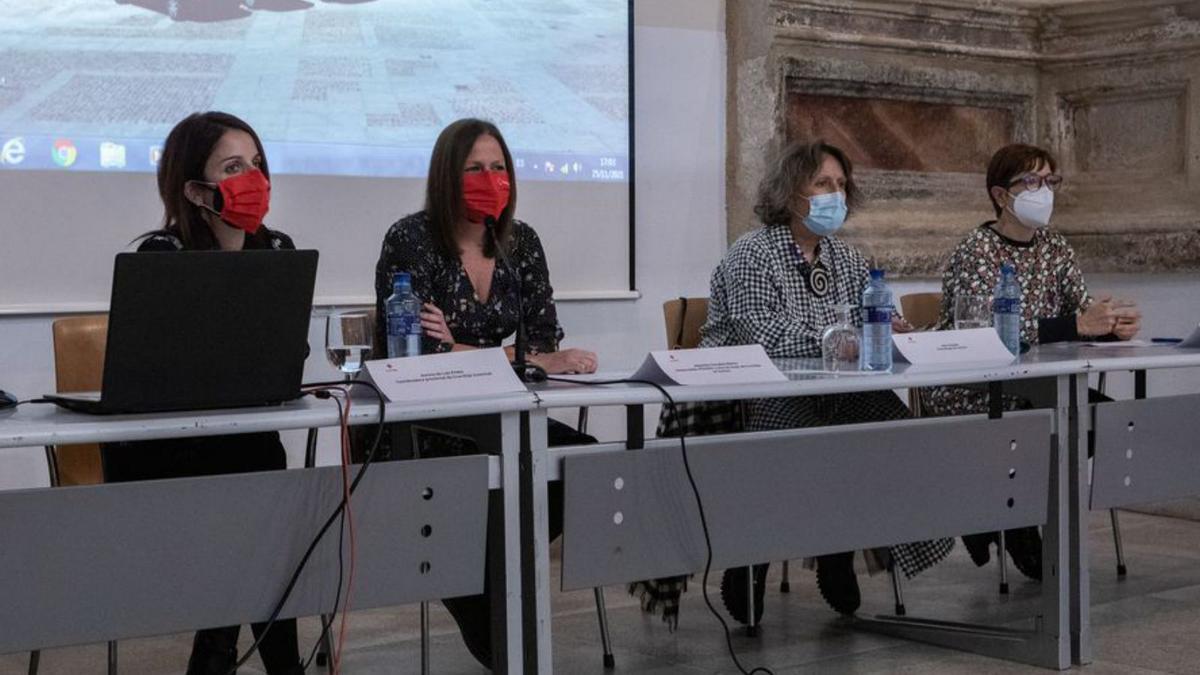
921 93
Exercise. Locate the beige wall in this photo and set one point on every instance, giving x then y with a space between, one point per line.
920 92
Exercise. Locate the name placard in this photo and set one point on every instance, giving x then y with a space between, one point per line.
744 364
1192 341
476 372
970 347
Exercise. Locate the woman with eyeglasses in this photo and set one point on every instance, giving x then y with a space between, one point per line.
1022 181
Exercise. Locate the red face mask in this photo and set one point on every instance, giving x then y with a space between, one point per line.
486 194
243 200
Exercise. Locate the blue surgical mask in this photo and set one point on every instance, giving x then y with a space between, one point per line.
826 213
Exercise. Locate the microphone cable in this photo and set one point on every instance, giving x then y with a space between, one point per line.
687 467
527 372
325 625
337 512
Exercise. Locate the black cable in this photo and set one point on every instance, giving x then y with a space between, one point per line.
337 595
291 586
526 371
687 467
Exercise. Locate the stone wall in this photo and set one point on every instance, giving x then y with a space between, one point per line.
921 93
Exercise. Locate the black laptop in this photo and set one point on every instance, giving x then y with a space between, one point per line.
193 330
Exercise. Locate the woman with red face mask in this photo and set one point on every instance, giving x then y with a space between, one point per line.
215 188
463 251
478 270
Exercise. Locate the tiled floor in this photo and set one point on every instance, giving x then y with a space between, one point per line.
1148 623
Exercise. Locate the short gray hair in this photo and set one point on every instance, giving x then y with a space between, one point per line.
794 167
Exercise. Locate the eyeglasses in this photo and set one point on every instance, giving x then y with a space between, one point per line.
1033 181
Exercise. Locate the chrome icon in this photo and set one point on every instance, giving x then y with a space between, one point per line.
64 152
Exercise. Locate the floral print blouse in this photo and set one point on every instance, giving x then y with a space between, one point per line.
409 246
1052 285
1053 292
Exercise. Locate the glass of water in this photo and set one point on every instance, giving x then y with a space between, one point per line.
840 342
972 311
348 340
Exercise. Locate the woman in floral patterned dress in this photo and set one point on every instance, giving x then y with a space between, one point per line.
1055 305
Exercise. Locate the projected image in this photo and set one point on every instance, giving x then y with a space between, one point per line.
335 87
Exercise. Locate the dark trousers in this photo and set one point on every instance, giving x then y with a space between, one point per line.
214 650
474 612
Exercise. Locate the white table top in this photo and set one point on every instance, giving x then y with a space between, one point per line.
43 424
1114 356
47 424
806 379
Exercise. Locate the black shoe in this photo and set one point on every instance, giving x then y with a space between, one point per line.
1025 547
473 615
733 592
214 651
979 546
837 582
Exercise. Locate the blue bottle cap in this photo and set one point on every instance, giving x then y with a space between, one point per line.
401 279
876 274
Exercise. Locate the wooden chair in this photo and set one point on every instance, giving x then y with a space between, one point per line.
79 344
684 318
921 309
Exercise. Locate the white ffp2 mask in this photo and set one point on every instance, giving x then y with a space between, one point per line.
1034 207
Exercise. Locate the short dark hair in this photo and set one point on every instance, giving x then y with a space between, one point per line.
795 166
1012 161
444 186
184 155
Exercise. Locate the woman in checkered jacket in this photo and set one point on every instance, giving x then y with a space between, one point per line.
778 287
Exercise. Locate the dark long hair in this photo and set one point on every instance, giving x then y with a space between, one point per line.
794 167
184 155
444 190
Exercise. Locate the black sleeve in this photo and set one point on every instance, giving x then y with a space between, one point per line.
407 247
1057 329
281 241
160 242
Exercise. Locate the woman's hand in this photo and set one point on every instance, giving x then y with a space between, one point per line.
565 361
1129 319
433 322
900 324
1098 319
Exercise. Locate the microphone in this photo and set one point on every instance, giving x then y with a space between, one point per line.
526 372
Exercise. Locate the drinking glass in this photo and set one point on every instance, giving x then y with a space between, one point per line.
972 311
840 342
348 340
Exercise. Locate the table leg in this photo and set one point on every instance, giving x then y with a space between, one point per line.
1080 421
536 543
511 440
1048 643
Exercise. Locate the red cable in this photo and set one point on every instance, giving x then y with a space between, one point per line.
335 659
350 523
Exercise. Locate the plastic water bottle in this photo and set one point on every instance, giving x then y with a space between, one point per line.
403 318
877 309
1006 309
